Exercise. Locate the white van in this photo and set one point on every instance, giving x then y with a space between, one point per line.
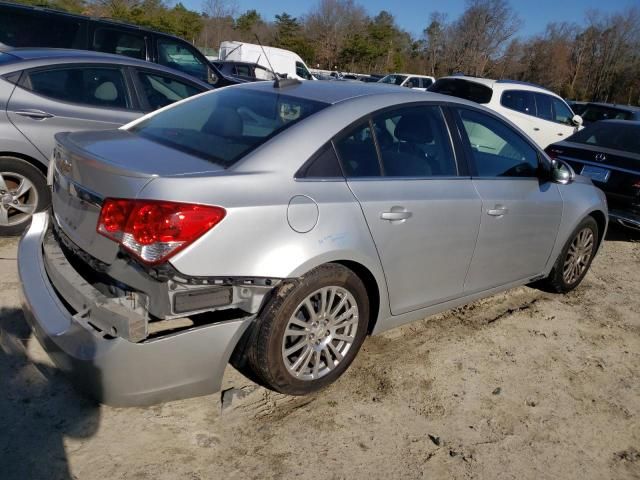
282 61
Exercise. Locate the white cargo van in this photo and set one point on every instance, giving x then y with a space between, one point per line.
283 61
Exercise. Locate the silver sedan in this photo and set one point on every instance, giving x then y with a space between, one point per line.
277 225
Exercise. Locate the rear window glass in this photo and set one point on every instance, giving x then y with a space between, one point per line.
20 29
615 135
457 87
225 125
595 113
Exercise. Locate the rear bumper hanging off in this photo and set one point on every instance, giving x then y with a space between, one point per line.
112 369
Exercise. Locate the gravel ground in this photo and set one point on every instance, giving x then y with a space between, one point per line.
521 385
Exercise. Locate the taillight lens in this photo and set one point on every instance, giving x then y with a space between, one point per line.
155 230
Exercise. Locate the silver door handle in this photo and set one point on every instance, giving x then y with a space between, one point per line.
35 114
497 211
395 215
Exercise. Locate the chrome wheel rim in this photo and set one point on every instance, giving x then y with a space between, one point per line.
578 256
320 332
18 199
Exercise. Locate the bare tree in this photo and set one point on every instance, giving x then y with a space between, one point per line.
219 21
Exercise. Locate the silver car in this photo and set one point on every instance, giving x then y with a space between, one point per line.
45 91
276 226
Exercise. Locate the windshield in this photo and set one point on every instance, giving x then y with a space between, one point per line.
615 135
457 87
225 125
393 79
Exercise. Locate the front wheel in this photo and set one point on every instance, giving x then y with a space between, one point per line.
309 333
23 192
576 257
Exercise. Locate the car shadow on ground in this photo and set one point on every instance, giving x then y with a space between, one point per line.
38 409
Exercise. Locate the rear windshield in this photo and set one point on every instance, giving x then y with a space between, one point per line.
615 135
457 87
595 113
225 125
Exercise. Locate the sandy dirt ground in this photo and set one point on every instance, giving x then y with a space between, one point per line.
522 385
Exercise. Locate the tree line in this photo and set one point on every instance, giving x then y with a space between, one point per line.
597 60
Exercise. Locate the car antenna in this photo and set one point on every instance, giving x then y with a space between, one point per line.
278 82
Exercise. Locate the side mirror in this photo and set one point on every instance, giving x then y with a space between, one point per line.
561 172
577 120
212 78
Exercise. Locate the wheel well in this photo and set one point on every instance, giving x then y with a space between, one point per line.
372 289
36 163
601 220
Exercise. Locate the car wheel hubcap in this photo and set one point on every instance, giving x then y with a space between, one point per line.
18 199
320 332
578 256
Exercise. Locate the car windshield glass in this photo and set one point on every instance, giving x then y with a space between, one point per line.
460 88
595 113
616 135
225 125
393 79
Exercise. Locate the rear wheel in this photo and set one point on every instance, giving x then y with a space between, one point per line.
23 192
576 257
308 334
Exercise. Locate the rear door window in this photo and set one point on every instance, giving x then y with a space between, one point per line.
497 150
414 142
160 90
110 40
21 29
458 87
84 85
357 151
224 125
519 100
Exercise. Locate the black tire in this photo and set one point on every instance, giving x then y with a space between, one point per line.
265 345
556 281
12 168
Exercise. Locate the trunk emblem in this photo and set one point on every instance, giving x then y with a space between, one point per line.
600 157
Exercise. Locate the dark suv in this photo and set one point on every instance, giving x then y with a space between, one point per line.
26 26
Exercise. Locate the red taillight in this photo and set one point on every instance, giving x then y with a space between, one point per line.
154 230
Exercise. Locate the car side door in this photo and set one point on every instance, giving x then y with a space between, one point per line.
421 208
70 97
555 117
521 210
157 89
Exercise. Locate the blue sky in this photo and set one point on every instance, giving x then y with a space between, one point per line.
413 15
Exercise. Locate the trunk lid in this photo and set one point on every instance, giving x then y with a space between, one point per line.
91 166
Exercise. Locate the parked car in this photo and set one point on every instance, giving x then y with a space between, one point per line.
282 226
417 82
244 71
540 113
28 26
45 91
594 112
370 78
577 107
609 153
283 62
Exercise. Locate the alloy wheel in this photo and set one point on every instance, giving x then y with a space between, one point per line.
320 332
578 256
18 199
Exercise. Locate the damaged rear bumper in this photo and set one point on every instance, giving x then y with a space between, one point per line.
114 370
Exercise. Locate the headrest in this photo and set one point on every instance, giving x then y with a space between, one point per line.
226 122
106 91
414 128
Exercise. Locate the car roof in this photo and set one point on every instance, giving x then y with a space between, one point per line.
626 123
335 92
40 57
503 81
